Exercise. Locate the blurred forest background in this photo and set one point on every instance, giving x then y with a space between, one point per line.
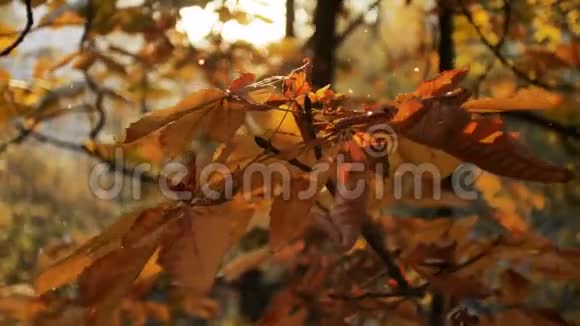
73 84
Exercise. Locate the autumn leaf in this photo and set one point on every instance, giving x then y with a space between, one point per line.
350 203
532 98
117 270
289 216
244 80
193 248
460 135
67 269
120 268
445 82
197 101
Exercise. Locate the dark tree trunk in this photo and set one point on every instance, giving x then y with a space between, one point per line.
290 18
446 52
325 41
446 49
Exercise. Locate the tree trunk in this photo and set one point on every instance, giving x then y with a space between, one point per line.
325 42
290 18
446 49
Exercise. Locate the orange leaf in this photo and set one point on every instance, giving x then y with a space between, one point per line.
532 98
244 80
193 248
289 216
500 155
445 82
67 269
200 100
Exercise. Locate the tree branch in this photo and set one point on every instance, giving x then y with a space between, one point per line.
540 121
496 50
290 18
355 23
375 239
446 49
22 35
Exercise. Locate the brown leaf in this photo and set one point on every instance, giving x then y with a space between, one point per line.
193 248
224 121
532 98
120 268
197 101
460 135
289 216
350 204
176 136
218 122
445 82
67 269
117 271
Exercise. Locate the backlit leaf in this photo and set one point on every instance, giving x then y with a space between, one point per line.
193 248
532 98
157 119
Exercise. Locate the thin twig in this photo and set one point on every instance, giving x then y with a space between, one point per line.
79 148
267 146
22 35
101 116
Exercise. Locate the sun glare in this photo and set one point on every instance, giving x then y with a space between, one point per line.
198 22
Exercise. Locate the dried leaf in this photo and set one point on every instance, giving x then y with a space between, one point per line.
120 268
446 81
194 247
458 136
289 216
157 119
66 270
532 98
350 203
244 80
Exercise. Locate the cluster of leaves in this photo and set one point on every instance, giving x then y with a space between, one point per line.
282 119
187 239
